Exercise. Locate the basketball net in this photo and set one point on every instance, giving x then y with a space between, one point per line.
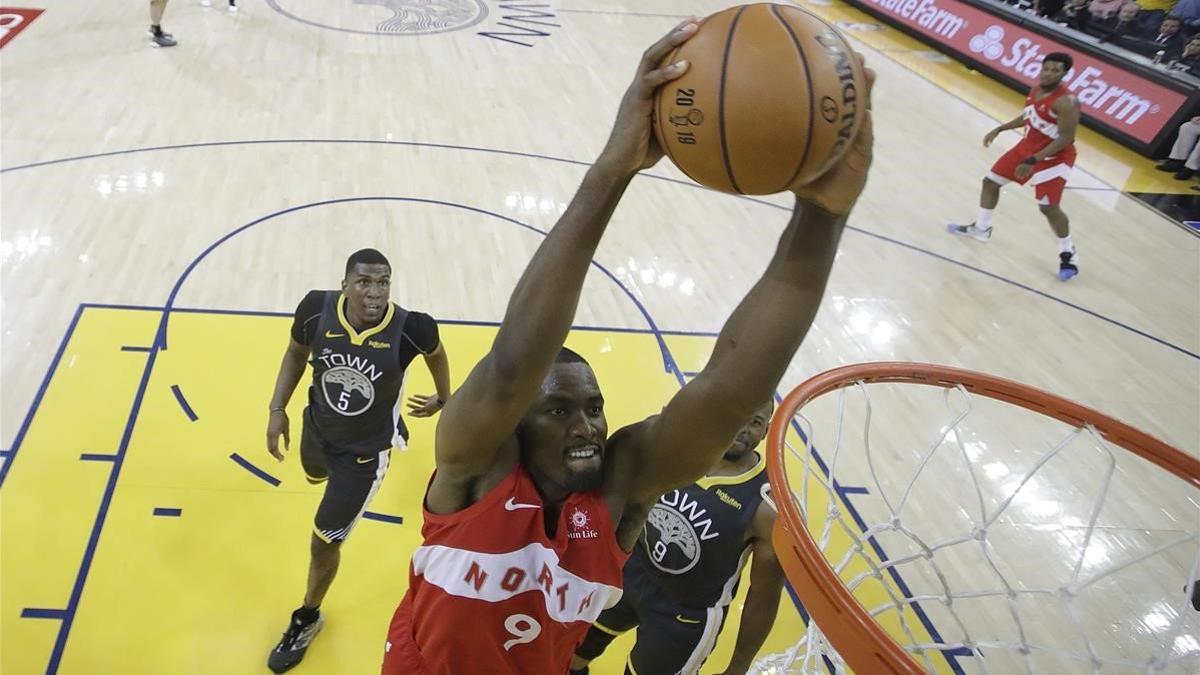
946 521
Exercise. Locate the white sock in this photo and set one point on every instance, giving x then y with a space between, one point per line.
984 220
1065 245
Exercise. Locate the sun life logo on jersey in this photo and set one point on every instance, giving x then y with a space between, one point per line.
579 526
989 43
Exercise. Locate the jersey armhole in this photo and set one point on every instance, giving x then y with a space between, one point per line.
490 500
614 544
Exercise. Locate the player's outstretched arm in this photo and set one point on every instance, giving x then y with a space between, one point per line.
486 409
1015 123
759 339
422 405
762 600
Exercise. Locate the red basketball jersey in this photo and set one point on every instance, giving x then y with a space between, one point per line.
1041 124
489 592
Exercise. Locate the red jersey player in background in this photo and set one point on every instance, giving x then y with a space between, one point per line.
533 508
1043 158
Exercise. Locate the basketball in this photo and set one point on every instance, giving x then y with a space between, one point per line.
772 98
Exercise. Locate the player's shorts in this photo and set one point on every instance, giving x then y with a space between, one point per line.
352 479
1048 178
671 638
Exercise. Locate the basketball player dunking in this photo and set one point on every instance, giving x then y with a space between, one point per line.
685 569
360 344
1044 158
533 508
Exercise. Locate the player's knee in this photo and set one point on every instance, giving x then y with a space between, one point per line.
989 184
1049 210
321 548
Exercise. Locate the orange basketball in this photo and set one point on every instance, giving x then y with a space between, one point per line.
772 98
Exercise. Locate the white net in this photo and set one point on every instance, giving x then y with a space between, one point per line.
986 538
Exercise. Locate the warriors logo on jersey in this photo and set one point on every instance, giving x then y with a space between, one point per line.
674 529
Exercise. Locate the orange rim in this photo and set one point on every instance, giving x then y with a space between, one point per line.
864 645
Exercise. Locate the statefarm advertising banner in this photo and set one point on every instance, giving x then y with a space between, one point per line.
1115 97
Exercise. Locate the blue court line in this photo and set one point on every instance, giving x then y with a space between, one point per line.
513 153
160 340
187 409
89 552
952 655
447 322
383 518
130 348
40 613
1016 284
94 457
161 345
245 463
167 511
41 393
843 493
497 151
787 585
5 453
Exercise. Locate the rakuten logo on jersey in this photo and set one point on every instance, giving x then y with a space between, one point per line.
1024 58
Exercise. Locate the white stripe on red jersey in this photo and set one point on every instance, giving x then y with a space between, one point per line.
497 577
1041 123
490 592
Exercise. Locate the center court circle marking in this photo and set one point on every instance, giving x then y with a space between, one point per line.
408 17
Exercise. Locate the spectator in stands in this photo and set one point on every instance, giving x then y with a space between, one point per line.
1184 159
1126 23
1189 11
1048 8
1153 11
1189 60
1074 14
1103 9
1167 39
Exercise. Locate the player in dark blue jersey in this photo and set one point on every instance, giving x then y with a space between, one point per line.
359 344
685 569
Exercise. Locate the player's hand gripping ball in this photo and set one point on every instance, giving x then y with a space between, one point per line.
773 97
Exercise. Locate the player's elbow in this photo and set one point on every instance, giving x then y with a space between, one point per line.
296 353
728 406
503 364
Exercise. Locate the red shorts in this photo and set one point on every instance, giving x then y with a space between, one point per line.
1049 176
